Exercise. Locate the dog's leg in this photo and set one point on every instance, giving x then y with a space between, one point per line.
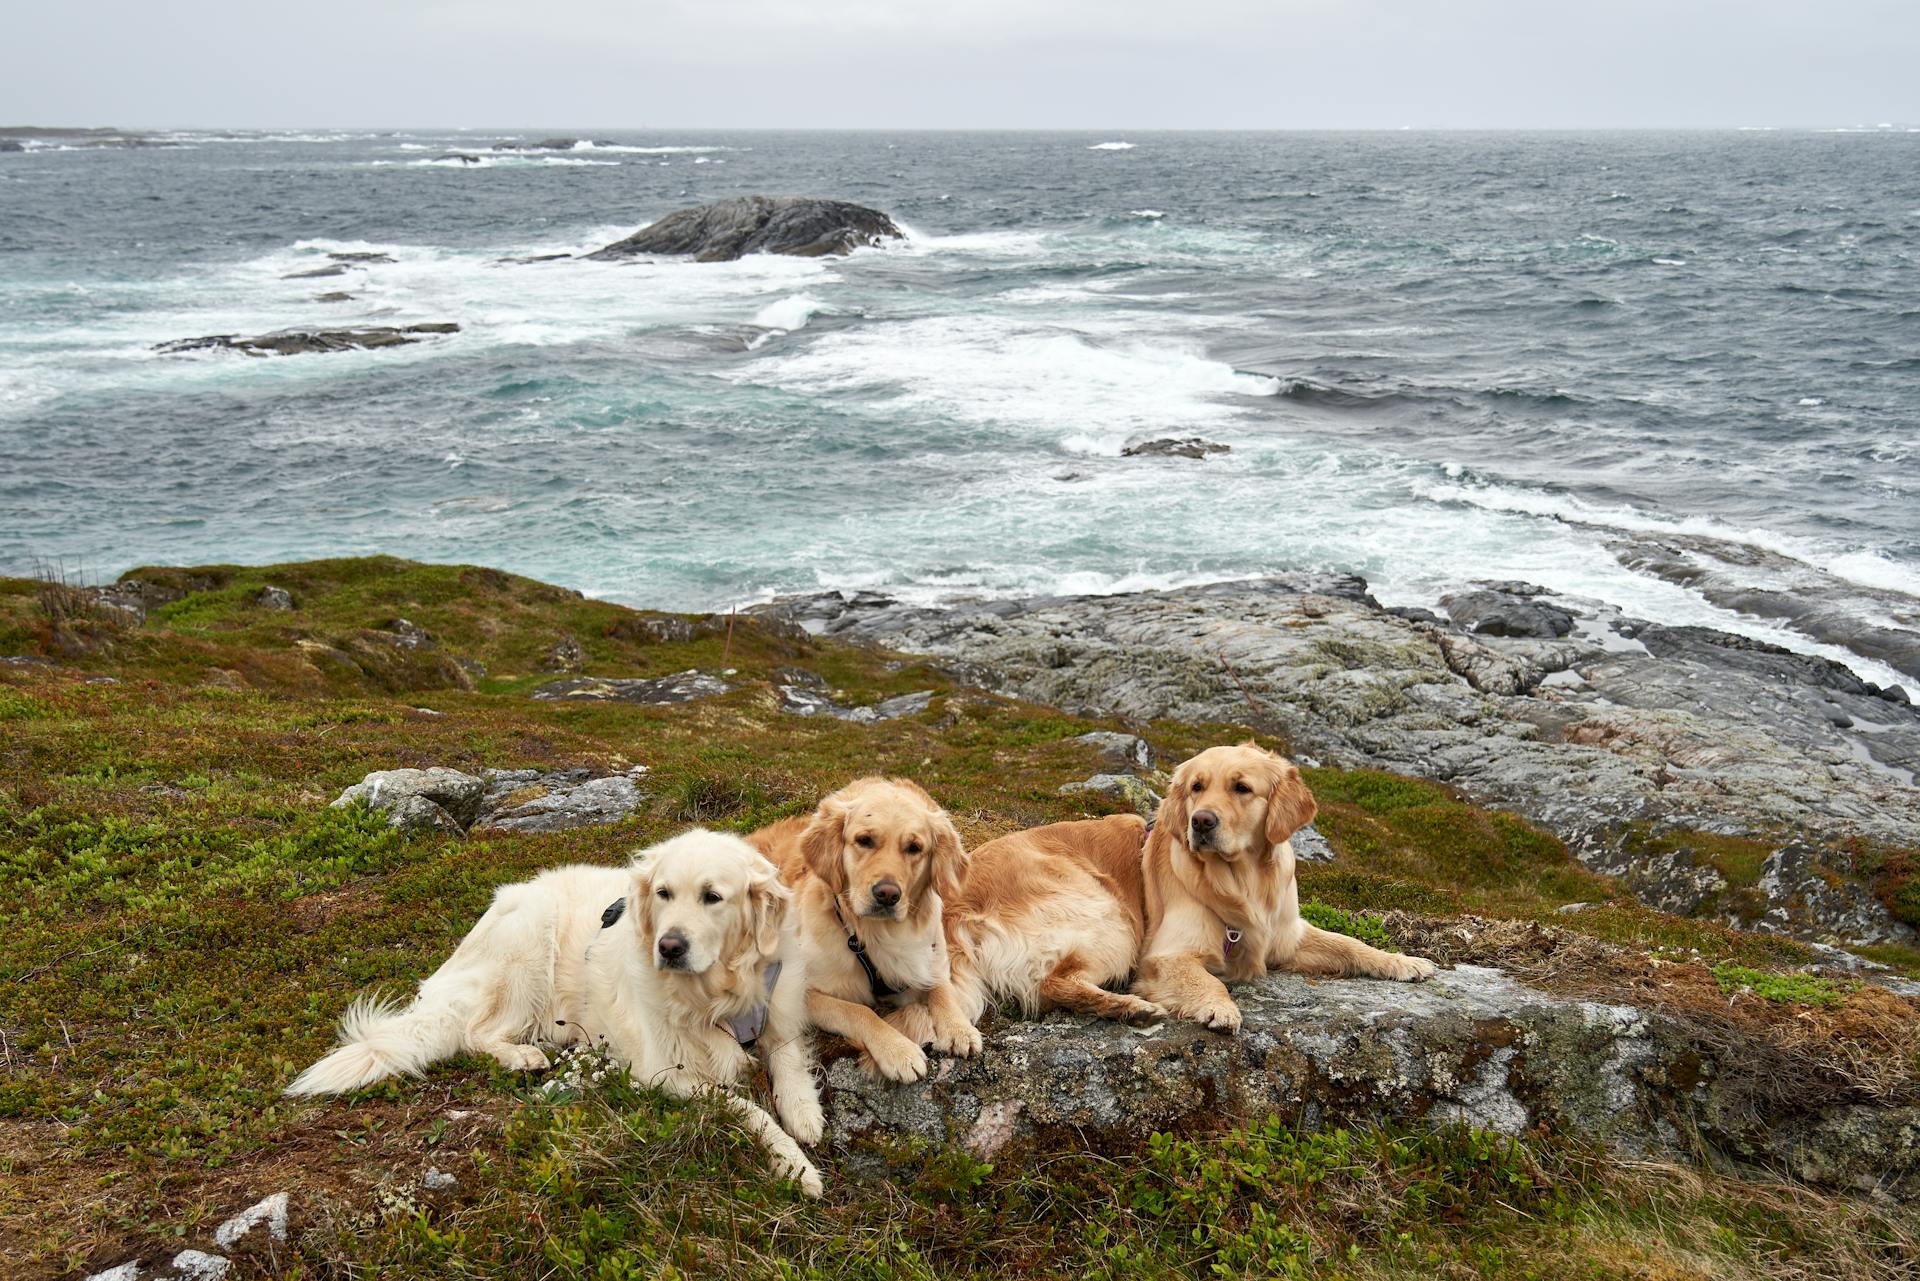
1323 952
1180 984
786 1154
953 1032
891 1054
1067 987
913 1022
796 1095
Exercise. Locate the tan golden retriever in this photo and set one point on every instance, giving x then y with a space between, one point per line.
871 869
1220 896
683 965
1051 918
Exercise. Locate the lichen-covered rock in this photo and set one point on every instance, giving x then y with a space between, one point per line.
1117 751
681 687
1471 1045
530 801
410 796
807 700
1121 787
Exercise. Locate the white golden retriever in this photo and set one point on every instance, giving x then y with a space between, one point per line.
680 964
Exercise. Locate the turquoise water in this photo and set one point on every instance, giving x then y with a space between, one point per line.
1435 357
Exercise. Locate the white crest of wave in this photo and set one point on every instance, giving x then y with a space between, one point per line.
789 313
1146 213
1111 146
1017 376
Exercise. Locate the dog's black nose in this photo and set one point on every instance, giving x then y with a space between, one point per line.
886 894
673 948
1204 821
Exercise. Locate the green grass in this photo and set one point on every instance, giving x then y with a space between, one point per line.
1340 921
1789 989
186 916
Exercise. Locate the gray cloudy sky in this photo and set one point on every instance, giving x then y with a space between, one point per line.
965 63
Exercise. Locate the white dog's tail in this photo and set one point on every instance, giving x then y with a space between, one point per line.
379 1039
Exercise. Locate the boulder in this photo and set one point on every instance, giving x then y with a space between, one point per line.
271 597
1119 751
1122 787
1173 447
802 226
8 144
681 687
465 158
1508 609
1472 1045
300 342
419 799
545 144
530 801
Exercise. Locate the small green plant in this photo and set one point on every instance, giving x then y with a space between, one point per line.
1339 920
1790 989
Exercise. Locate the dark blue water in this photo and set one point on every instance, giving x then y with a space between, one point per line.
1679 372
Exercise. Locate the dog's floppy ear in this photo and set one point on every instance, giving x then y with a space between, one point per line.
768 899
1175 808
1290 805
822 842
640 893
949 855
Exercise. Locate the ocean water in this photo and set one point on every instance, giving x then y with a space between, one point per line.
1677 372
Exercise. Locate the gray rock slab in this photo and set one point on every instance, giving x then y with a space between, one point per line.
1471 1045
729 229
405 793
681 687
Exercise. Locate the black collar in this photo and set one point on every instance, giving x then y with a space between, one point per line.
881 989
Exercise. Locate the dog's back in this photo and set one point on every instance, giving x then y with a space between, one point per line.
514 978
1049 916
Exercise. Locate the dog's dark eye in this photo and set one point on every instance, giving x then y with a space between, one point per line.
1242 787
709 897
864 842
1198 786
913 847
665 896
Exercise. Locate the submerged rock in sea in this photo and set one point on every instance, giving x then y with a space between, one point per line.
300 342
798 225
1173 447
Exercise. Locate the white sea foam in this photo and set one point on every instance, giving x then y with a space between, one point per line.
1147 213
789 313
1111 146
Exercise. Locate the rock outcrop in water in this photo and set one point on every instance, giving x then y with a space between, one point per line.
1612 732
301 342
797 225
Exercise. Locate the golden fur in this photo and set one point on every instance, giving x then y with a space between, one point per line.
871 834
1219 859
1052 917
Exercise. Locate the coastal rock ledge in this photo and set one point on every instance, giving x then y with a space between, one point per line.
1472 1045
802 226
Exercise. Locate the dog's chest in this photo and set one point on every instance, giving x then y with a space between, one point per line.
909 965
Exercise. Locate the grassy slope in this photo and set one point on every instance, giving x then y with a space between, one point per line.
184 918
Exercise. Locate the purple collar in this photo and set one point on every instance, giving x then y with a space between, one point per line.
746 1028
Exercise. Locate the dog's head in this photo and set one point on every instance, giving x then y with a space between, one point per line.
704 899
1235 802
884 842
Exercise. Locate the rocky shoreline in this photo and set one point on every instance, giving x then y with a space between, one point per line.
1625 738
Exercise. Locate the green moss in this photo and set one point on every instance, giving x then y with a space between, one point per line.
1790 989
1373 791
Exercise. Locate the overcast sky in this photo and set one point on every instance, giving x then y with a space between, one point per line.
1096 64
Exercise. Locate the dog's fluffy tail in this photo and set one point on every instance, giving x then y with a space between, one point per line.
379 1039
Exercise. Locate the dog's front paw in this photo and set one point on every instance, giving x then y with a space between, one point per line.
1133 1009
1411 969
1220 1016
895 1059
805 1120
521 1058
914 1022
809 1180
956 1037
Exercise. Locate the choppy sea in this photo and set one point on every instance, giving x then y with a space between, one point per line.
1677 372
